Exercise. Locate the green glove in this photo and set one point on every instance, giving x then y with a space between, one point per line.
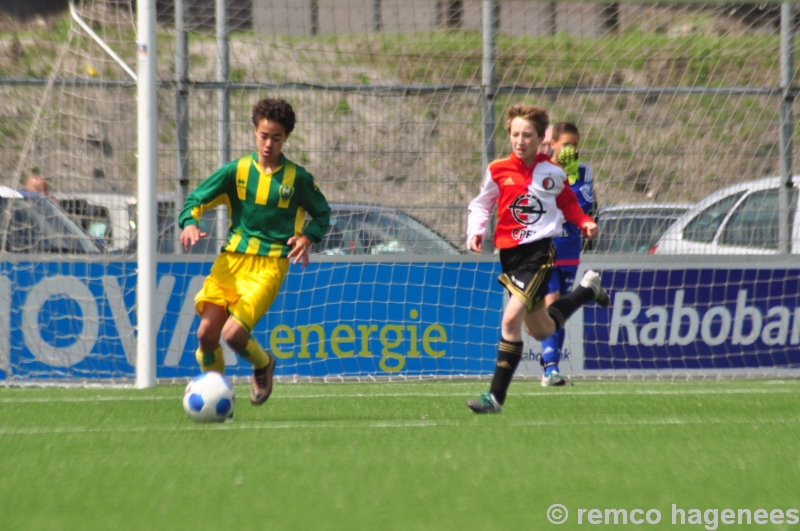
568 158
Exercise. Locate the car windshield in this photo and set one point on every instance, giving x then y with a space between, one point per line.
633 231
363 232
94 219
704 227
37 225
755 222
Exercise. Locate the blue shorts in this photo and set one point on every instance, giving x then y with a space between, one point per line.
562 279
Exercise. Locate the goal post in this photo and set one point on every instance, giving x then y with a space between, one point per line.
147 175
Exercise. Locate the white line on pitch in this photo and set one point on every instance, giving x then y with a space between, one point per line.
563 392
388 424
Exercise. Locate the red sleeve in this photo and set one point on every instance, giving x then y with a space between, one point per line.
568 204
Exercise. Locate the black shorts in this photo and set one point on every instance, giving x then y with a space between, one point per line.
527 269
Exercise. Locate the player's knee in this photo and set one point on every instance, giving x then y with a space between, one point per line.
539 331
236 337
511 322
208 336
537 334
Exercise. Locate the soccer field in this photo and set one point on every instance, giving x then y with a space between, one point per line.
397 456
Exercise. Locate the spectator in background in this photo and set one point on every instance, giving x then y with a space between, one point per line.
33 182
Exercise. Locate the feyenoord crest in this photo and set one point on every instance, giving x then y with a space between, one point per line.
286 191
527 209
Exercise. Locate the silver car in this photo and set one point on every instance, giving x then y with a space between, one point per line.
634 228
740 219
33 224
373 230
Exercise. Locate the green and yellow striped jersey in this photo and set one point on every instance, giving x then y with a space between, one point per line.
265 210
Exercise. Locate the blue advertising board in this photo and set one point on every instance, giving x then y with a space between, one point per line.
720 318
73 320
348 319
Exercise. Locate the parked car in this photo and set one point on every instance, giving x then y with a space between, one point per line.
740 219
373 230
355 229
32 223
168 237
634 228
111 219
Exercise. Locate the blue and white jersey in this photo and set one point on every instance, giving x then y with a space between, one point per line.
568 245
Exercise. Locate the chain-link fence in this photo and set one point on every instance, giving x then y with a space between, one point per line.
673 101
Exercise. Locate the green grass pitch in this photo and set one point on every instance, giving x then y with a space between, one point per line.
397 456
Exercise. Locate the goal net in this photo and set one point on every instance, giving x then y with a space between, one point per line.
400 104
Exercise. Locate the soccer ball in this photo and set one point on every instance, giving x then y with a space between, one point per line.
209 398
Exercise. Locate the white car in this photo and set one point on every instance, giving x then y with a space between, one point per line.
108 217
740 219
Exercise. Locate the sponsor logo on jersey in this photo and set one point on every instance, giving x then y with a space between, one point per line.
286 191
527 209
521 234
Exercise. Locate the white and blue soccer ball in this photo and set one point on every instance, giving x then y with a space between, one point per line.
209 397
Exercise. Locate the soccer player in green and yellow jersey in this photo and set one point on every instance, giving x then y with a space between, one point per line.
267 196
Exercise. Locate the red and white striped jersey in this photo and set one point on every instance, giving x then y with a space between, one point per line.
532 203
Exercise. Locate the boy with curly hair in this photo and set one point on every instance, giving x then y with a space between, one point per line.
267 197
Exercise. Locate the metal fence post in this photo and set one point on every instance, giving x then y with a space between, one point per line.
223 106
181 114
314 7
491 23
787 73
377 15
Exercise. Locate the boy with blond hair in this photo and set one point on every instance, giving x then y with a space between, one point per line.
533 198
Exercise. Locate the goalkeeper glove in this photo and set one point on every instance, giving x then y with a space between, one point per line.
568 158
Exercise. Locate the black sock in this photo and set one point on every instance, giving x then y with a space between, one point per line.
565 306
507 360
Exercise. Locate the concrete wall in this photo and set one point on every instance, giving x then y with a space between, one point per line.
24 9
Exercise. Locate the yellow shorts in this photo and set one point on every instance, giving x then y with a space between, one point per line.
244 284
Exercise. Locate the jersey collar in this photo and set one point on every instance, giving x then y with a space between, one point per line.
281 164
541 157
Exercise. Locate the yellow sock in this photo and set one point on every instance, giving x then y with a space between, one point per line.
211 361
255 354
